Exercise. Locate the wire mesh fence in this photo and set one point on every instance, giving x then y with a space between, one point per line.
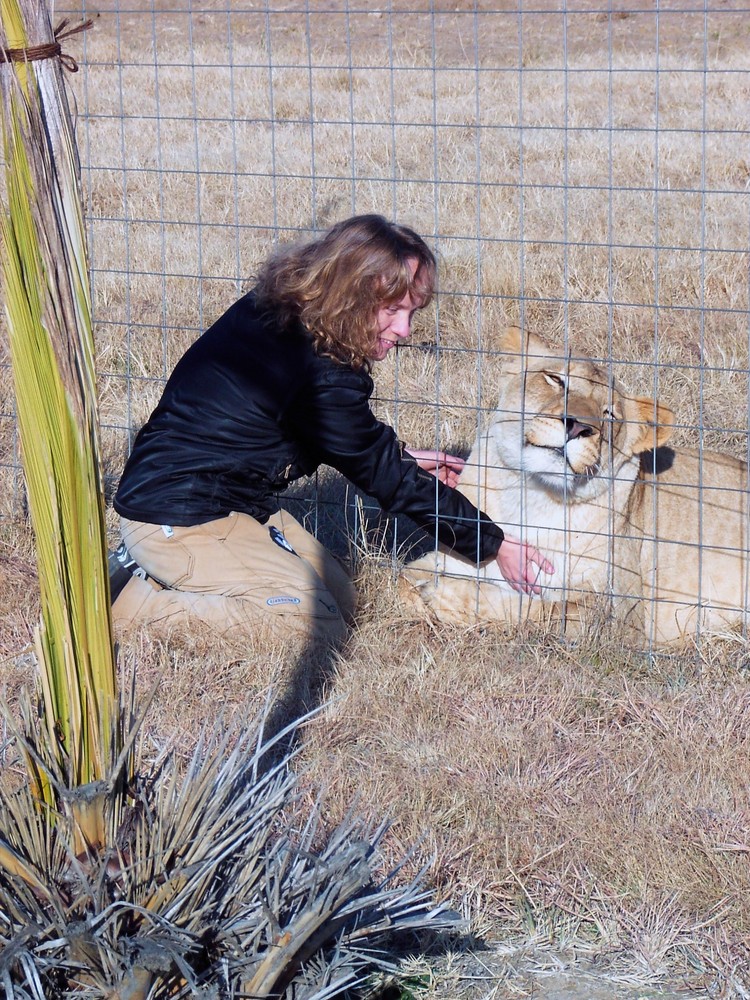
580 169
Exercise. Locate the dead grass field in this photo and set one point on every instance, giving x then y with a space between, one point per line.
580 804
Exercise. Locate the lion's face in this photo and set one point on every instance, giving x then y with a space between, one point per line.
566 423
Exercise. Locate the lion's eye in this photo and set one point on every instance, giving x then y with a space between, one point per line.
556 380
610 414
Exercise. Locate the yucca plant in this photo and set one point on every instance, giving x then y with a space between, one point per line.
49 326
116 880
209 890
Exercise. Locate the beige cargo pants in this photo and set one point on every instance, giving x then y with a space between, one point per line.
236 574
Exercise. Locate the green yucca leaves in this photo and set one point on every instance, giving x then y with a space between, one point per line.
48 315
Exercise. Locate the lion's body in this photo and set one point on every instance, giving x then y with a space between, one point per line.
564 464
693 519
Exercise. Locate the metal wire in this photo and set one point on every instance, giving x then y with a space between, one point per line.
266 125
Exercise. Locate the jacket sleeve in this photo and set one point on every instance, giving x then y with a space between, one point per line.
333 418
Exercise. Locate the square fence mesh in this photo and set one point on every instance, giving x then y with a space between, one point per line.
581 169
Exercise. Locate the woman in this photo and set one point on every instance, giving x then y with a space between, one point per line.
277 386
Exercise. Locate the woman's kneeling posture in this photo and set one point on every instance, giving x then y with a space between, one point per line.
279 385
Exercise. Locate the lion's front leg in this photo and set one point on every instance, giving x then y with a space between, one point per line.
439 585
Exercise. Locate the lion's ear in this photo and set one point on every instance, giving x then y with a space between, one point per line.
513 340
651 422
520 345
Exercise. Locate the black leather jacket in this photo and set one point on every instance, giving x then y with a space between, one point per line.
250 408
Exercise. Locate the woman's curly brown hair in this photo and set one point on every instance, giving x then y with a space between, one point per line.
335 285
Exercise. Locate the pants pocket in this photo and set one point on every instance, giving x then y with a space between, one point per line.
221 527
167 558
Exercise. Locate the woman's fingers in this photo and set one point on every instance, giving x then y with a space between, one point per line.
521 565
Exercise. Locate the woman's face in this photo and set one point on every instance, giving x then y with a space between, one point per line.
393 321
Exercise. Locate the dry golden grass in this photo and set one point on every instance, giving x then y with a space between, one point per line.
568 796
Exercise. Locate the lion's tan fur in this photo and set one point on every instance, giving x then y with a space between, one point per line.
651 537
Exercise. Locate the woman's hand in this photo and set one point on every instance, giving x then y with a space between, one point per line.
447 468
521 564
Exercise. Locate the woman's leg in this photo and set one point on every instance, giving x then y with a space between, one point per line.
235 570
328 568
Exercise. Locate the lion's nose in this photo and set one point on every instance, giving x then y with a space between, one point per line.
575 428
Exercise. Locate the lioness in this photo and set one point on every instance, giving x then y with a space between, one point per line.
655 537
